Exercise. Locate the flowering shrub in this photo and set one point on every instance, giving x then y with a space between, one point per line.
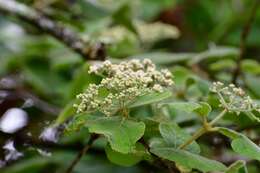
136 86
113 109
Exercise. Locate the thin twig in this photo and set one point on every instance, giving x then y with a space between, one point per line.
93 137
243 38
53 28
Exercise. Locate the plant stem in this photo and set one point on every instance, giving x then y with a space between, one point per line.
81 154
202 130
218 117
195 136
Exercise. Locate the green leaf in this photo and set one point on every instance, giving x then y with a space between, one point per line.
164 58
215 54
223 65
188 107
228 132
152 32
122 134
189 160
181 76
81 81
150 98
32 165
238 166
253 83
123 16
241 144
253 117
246 148
174 136
66 113
129 159
250 66
151 9
204 109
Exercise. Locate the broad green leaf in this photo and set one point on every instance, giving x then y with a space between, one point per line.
246 148
204 109
188 107
122 134
174 136
32 165
241 144
189 160
253 83
215 54
150 98
128 159
229 133
238 166
164 58
250 66
123 16
223 65
181 75
157 142
201 84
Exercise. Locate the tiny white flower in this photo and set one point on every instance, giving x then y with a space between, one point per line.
124 82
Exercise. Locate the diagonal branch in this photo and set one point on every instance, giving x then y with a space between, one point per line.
60 32
243 37
93 137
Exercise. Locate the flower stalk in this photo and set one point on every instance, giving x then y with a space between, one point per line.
207 127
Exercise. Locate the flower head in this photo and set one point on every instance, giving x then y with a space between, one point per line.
123 82
233 98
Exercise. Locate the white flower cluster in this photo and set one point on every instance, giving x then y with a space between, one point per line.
123 82
233 98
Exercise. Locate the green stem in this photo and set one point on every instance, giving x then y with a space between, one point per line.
218 117
195 136
207 127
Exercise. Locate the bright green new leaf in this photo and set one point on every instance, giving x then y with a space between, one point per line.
122 134
204 109
189 160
